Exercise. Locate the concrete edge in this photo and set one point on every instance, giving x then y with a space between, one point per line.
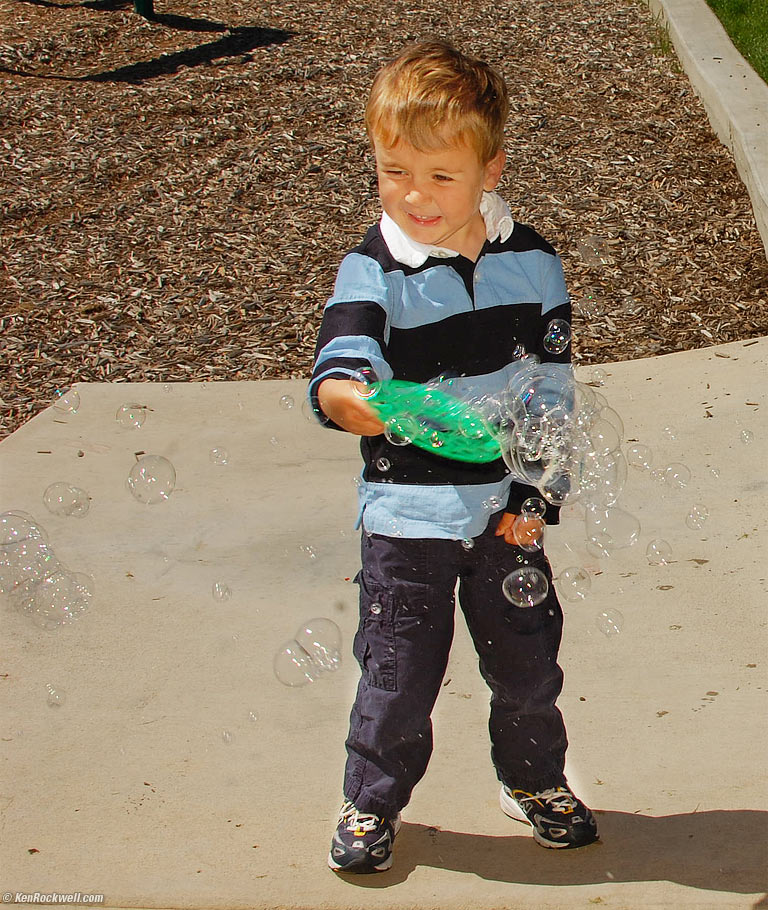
734 96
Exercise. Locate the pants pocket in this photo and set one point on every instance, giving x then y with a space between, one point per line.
374 643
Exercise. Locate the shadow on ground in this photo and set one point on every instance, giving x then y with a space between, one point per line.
715 851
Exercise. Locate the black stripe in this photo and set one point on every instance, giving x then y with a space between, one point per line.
474 343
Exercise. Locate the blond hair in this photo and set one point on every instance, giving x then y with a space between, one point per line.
433 96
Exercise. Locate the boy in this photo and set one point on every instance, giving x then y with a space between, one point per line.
446 284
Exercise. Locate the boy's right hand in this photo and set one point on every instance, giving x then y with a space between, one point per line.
344 407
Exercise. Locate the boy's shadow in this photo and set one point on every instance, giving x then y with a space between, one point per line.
717 850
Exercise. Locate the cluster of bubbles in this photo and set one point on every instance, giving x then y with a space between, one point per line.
34 580
315 649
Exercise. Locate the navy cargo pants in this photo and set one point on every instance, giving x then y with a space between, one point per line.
407 589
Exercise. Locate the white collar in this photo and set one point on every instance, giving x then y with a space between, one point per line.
498 223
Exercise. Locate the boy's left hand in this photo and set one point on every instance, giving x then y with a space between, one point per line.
504 528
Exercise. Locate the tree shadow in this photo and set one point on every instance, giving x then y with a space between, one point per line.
238 41
716 850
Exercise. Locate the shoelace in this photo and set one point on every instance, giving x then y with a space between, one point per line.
559 800
358 821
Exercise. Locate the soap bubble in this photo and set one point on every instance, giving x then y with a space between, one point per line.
610 622
376 609
25 563
746 436
677 475
574 583
365 380
287 402
588 305
219 456
670 432
56 696
131 416
696 517
320 638
597 377
595 250
293 666
611 529
658 552
67 401
557 336
227 737
383 464
64 499
640 456
534 506
528 531
16 526
220 591
400 430
468 543
525 587
58 599
151 479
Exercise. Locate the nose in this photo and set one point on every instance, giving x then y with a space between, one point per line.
417 194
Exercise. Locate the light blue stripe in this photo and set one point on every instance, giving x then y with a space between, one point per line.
357 347
445 511
514 278
427 297
360 278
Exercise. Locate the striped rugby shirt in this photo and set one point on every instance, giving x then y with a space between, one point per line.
413 312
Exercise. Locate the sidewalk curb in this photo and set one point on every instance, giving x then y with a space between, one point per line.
734 96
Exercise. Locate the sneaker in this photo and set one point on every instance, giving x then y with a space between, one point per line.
362 841
557 817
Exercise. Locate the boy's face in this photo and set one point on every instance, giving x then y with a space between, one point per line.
434 196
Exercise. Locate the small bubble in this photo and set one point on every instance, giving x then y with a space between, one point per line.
376 609
67 401
610 622
670 432
287 402
640 456
557 336
220 591
597 377
131 416
227 736
56 696
273 441
525 587
309 550
64 499
746 436
574 583
696 517
219 456
152 479
494 502
468 543
658 552
677 475
253 717
383 464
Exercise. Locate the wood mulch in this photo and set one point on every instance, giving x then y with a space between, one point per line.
176 195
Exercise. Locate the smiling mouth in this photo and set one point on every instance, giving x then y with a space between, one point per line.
424 220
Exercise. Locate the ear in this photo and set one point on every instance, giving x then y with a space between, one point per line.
493 170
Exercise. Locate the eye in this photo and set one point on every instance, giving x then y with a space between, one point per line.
443 178
393 172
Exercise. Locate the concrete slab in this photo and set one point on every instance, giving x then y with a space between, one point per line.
180 773
734 96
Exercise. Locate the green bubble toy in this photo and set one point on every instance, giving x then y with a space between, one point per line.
433 420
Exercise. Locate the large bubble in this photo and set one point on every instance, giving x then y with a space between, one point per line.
152 479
